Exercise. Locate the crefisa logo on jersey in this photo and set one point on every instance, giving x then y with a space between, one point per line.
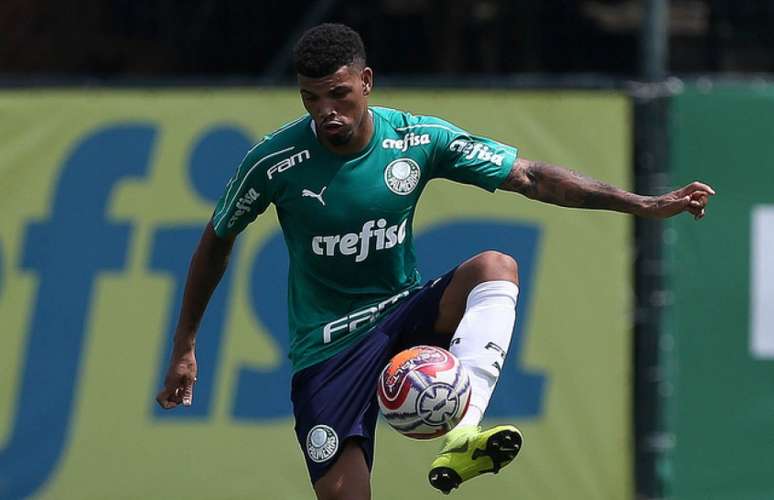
359 244
243 205
409 141
321 443
402 176
472 149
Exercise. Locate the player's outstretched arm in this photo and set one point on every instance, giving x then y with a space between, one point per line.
208 264
561 186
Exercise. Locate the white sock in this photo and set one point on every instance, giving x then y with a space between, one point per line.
482 338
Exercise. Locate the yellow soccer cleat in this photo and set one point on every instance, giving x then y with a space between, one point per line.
469 452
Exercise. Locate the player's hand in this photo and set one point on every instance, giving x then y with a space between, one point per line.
180 379
692 198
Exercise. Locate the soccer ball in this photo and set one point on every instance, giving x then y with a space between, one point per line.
423 392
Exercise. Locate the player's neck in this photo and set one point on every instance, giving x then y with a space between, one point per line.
360 139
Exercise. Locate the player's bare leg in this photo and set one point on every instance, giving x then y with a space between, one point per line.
479 306
348 478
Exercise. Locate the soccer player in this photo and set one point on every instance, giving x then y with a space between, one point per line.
345 180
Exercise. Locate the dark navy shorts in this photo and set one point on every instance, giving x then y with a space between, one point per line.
335 400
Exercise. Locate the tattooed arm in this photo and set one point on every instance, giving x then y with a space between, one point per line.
560 186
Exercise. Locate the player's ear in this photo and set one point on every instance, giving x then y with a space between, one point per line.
367 76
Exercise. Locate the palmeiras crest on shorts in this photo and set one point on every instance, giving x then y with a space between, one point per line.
321 443
402 176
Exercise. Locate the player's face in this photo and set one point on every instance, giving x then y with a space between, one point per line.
338 103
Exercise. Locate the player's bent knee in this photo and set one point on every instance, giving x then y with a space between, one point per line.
494 265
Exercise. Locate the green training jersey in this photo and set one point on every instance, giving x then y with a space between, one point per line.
347 220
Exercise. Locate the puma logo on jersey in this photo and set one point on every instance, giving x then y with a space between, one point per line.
409 140
312 194
472 149
290 161
243 205
359 244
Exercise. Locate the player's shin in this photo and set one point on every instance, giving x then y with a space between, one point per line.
482 339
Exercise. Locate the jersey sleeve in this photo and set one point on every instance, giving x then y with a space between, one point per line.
470 159
246 195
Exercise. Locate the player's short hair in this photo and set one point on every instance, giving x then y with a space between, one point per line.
325 48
